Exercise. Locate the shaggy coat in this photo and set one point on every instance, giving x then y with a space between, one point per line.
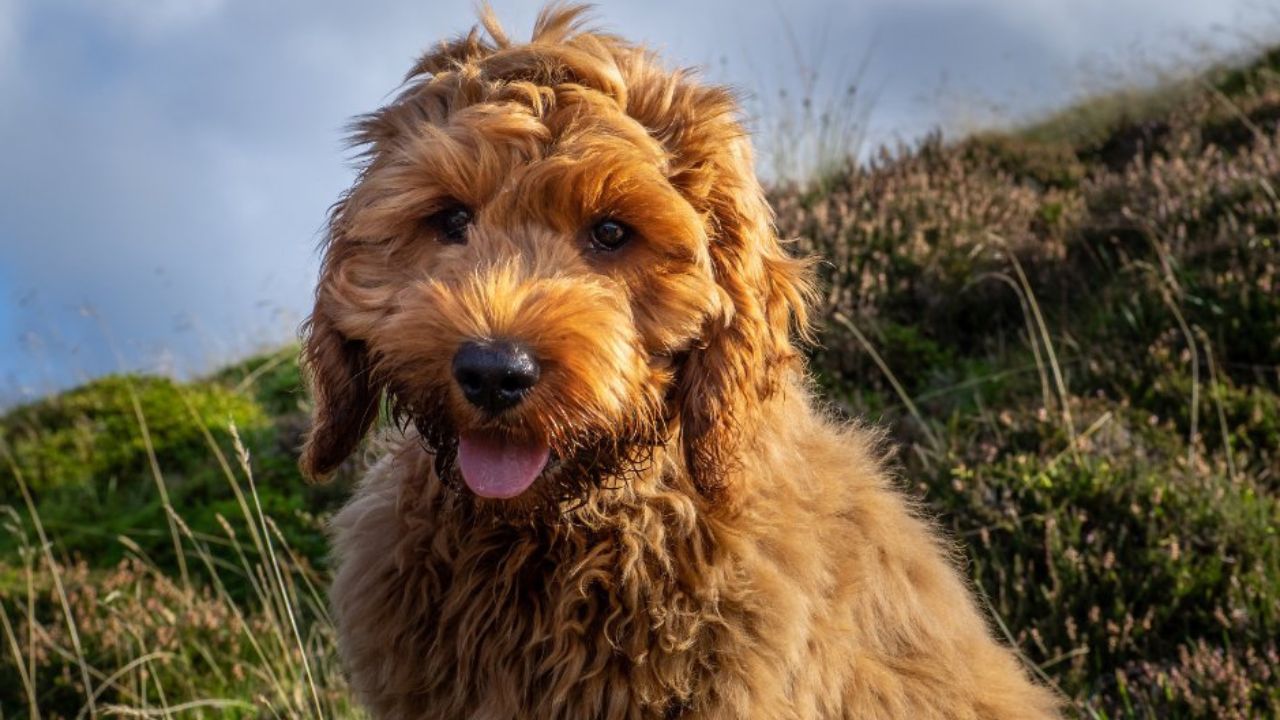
703 541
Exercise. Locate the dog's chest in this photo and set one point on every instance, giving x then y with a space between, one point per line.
509 622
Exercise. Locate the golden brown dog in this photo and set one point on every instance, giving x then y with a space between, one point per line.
610 493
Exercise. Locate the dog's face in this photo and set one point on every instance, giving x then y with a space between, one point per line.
556 258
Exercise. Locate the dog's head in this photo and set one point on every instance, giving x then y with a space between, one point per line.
556 256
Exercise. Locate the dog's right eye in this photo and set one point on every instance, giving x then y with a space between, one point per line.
450 225
609 234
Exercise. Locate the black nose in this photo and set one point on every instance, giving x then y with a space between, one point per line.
494 376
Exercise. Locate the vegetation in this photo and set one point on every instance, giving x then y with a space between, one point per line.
1083 319
1073 331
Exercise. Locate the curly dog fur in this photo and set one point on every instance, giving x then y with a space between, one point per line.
705 541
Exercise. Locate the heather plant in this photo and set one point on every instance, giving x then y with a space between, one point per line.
141 639
1074 332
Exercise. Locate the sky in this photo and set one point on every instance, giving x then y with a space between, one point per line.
167 164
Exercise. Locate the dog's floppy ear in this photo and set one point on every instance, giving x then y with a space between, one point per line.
345 400
345 404
744 352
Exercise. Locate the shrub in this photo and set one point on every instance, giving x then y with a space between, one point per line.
92 435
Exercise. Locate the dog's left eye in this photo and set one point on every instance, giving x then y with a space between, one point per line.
451 224
610 234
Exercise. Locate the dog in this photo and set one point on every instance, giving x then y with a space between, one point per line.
606 489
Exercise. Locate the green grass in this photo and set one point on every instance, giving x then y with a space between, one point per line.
1071 329
184 555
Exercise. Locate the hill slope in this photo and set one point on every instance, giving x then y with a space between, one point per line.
1087 316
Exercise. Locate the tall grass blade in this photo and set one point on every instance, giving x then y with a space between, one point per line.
243 455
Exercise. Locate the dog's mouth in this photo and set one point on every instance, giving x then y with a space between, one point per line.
501 468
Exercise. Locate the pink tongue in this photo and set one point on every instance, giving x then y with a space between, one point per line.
495 468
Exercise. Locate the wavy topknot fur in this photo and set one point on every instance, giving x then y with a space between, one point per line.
706 542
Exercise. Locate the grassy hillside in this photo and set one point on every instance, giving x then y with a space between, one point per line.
1072 330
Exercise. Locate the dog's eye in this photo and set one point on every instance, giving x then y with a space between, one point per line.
610 234
451 224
